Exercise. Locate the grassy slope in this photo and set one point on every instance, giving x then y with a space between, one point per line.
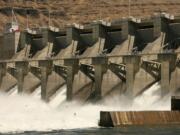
83 11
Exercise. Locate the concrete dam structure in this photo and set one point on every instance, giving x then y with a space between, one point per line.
96 60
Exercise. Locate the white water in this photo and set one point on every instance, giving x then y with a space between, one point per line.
37 93
27 113
13 91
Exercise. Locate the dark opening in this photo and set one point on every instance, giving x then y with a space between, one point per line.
175 103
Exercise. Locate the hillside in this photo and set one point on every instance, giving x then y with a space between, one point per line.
63 12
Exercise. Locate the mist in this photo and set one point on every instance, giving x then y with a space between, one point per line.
20 113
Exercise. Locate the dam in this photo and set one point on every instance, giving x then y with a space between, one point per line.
96 60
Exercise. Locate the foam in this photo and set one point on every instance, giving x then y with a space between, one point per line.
29 113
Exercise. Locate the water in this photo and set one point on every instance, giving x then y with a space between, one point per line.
29 113
136 130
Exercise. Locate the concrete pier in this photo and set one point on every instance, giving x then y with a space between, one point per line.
46 69
168 63
22 71
8 77
10 44
2 71
132 66
100 67
72 68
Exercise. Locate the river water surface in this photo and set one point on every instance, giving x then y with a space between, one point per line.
158 130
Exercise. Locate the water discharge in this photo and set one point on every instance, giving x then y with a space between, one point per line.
29 113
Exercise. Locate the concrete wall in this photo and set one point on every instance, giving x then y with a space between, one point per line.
97 48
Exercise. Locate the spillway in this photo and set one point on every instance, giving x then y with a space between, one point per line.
94 61
94 67
31 114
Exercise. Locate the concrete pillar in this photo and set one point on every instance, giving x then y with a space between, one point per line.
8 45
45 35
46 69
28 38
71 34
157 26
23 39
72 65
2 71
132 67
98 32
20 80
132 28
25 42
48 36
100 67
160 25
22 70
168 64
125 31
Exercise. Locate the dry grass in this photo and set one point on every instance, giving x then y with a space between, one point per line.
84 11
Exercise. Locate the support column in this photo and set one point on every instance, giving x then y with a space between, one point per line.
160 25
48 36
22 71
98 31
72 66
168 64
27 38
45 35
100 67
132 67
72 34
23 37
8 46
46 69
132 27
2 71
125 29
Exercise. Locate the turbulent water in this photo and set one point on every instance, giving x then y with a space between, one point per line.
20 113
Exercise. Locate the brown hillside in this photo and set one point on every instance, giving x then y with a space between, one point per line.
63 12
